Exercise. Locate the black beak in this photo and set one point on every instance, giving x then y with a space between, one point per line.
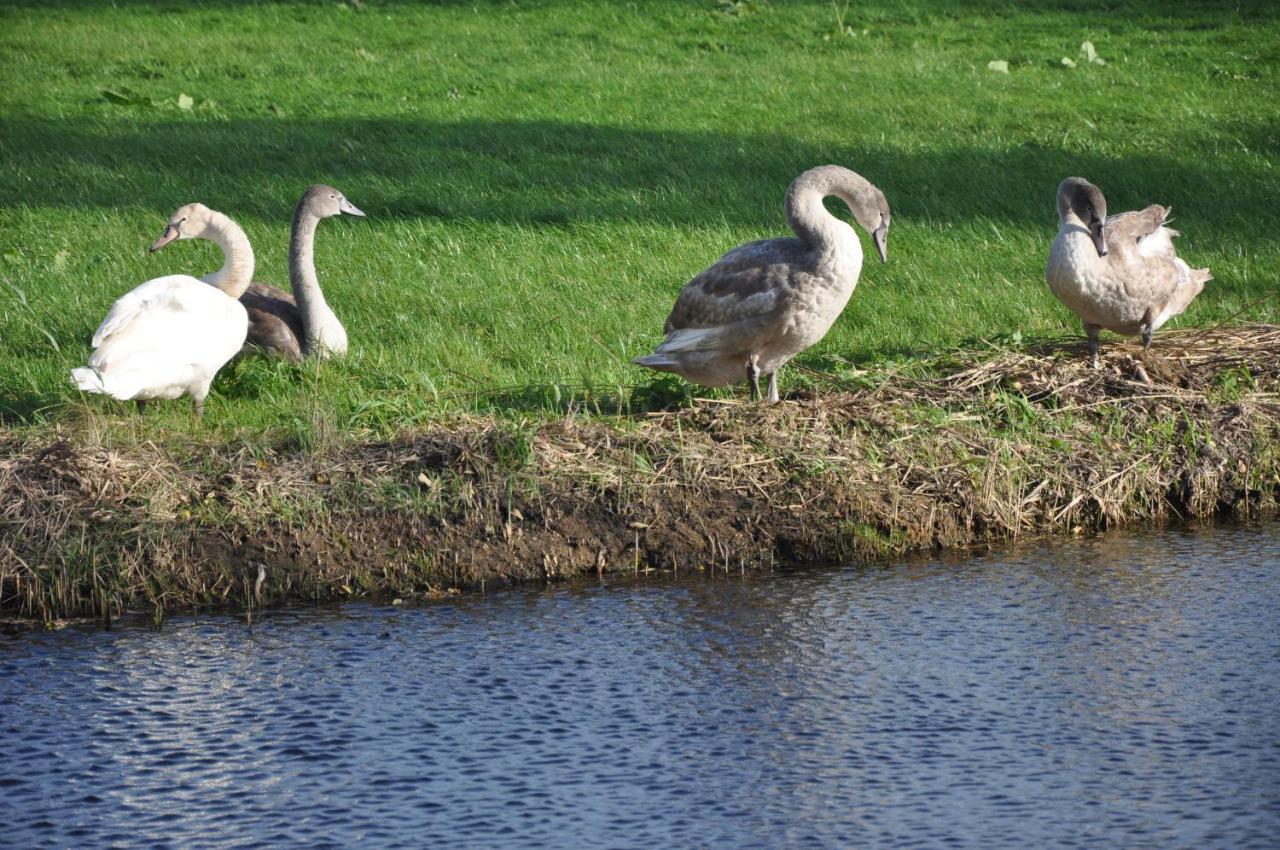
880 236
170 234
1099 238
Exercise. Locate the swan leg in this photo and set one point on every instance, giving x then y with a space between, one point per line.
1094 345
1146 329
773 386
141 404
753 375
197 404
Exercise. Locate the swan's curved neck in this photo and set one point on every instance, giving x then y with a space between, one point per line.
1067 215
302 276
810 220
237 268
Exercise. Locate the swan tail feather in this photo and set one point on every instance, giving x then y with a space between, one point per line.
88 380
118 383
692 339
661 362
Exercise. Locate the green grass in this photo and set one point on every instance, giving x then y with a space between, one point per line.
542 177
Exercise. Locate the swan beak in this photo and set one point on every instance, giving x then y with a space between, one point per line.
1099 240
349 208
170 234
880 236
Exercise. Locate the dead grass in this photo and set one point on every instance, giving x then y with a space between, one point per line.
971 447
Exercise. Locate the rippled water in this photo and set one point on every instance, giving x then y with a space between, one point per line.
1106 693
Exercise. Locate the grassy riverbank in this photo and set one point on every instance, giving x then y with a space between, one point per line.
959 450
541 178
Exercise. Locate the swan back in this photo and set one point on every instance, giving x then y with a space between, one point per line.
275 325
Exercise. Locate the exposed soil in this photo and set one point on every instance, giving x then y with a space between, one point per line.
977 447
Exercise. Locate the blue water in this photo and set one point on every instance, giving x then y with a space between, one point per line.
1119 692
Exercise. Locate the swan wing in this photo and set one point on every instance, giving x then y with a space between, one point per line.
275 324
750 284
1141 233
1190 283
1143 254
161 293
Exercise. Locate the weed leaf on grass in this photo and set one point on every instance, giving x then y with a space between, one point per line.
1090 55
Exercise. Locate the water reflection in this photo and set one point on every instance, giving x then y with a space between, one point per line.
1108 692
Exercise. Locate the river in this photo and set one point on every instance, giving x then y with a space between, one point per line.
1107 692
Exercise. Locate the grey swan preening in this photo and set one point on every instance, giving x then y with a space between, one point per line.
1117 272
169 336
766 301
302 324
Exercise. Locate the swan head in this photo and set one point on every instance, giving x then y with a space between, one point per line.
187 222
873 215
1083 199
325 201
880 235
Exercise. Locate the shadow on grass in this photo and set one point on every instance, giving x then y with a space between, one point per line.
551 173
26 408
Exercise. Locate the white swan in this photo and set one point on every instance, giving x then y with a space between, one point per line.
764 302
1117 272
171 335
302 324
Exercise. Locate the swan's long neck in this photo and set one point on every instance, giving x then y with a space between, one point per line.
302 276
810 220
237 268
1068 218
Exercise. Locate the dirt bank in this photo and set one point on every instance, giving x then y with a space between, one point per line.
961 449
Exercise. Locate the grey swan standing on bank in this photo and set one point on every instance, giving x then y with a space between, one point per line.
766 301
169 336
1117 272
302 324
